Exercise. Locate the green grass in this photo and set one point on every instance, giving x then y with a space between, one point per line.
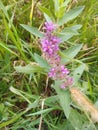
27 99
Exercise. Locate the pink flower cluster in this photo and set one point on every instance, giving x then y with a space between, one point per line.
50 47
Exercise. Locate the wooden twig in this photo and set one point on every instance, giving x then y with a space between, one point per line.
42 107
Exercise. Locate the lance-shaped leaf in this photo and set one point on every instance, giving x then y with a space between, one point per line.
45 10
32 30
7 49
42 62
48 19
77 73
70 53
69 32
64 97
30 68
71 14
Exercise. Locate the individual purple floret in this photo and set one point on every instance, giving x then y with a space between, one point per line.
50 47
49 26
55 40
47 46
64 70
52 73
69 81
63 86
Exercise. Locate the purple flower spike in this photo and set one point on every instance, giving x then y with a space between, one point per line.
50 49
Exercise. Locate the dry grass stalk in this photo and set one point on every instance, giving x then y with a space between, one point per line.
82 101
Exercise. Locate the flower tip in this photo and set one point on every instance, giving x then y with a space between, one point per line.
50 26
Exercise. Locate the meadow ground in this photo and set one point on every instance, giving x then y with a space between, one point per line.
29 99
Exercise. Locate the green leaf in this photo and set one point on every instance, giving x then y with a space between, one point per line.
70 53
59 9
14 37
41 61
65 125
7 49
79 121
16 91
66 3
11 29
76 119
32 30
4 10
71 14
48 19
34 104
45 10
56 6
14 118
71 30
52 102
30 68
91 126
64 97
51 99
60 12
65 37
77 73
41 112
